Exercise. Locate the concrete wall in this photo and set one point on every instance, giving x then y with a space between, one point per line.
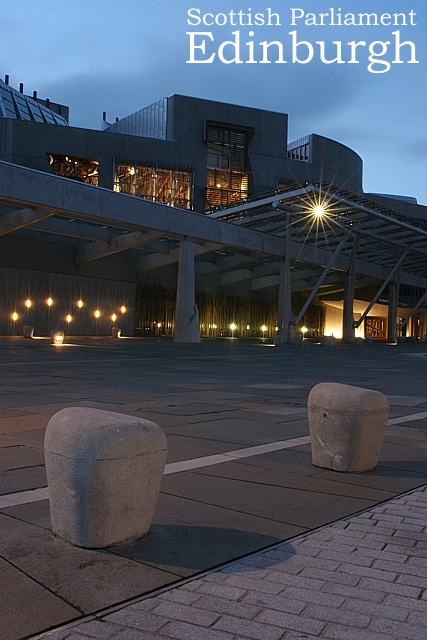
330 161
18 285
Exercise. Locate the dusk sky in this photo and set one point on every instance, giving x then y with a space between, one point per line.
100 55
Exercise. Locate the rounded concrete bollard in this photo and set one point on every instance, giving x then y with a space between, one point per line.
328 341
27 331
116 332
104 471
347 426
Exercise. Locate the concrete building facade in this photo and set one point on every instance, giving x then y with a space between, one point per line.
193 166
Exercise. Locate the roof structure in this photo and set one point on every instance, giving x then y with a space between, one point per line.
322 216
247 240
15 104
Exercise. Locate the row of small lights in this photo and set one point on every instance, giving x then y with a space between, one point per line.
69 318
264 328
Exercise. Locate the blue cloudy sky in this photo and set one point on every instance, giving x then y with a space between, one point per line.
100 55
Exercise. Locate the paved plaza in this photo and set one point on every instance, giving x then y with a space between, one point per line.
249 540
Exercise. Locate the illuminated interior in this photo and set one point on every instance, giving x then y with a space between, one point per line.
80 169
167 186
228 175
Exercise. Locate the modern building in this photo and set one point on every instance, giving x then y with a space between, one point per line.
190 217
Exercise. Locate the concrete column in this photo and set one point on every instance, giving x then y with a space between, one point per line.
348 318
393 305
187 327
348 314
423 328
285 331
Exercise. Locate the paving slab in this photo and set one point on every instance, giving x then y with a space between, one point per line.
15 480
38 608
84 579
291 506
315 484
16 457
236 431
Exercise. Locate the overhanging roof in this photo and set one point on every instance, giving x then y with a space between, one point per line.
382 233
245 241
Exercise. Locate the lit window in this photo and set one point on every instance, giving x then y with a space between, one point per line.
80 169
168 186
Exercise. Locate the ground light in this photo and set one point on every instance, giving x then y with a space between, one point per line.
57 337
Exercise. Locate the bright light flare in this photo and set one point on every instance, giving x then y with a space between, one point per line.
319 211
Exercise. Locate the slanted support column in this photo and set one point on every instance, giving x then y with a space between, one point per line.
393 306
348 312
187 327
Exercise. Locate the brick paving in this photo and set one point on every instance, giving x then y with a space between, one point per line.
362 578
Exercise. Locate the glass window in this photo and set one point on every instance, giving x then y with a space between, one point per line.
228 176
48 116
8 103
37 114
158 184
80 169
22 108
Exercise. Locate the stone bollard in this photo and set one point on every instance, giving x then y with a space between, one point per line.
328 341
27 331
347 426
104 471
116 332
